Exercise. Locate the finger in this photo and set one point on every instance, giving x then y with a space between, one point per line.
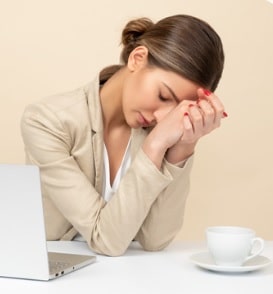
214 101
197 119
187 122
208 112
188 133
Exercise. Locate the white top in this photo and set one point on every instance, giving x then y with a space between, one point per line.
108 190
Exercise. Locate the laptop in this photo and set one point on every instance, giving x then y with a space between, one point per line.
23 246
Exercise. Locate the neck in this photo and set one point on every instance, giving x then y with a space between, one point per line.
111 101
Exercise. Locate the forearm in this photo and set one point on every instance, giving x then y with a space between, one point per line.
120 219
166 216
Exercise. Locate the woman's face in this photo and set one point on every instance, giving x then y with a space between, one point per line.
149 93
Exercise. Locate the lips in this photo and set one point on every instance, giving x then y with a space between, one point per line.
143 121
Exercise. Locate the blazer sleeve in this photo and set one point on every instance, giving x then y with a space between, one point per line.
109 227
166 215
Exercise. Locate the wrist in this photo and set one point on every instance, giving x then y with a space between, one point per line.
154 151
179 153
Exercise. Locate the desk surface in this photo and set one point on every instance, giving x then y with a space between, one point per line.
168 271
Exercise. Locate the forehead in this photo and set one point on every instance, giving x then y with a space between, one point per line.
178 86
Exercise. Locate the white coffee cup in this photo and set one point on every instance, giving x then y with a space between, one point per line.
232 246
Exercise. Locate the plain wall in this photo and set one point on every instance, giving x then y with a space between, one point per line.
53 46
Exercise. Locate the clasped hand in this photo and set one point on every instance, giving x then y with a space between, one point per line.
187 123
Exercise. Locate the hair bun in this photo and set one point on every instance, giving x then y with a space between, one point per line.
134 29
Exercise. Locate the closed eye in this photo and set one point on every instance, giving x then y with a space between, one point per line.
162 98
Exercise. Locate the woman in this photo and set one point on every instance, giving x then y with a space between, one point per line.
115 156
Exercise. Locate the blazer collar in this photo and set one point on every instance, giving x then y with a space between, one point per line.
94 105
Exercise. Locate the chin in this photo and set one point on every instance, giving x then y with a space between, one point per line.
133 124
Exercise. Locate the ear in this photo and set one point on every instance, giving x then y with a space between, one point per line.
138 58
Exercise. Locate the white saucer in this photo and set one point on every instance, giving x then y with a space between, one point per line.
204 260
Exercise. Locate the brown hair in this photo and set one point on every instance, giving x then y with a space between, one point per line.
182 44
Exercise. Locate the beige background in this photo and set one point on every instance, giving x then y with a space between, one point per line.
51 46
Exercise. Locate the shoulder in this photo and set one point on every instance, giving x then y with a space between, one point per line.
68 108
61 102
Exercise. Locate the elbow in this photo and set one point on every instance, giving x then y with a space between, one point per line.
109 252
114 253
153 245
113 250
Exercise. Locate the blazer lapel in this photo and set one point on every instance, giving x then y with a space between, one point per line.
97 131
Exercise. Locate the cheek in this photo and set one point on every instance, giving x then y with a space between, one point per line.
138 89
128 91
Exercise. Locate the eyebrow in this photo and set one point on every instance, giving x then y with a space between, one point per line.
172 92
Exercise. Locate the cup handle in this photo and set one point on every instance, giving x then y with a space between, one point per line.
253 241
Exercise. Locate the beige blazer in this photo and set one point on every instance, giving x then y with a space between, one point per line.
63 135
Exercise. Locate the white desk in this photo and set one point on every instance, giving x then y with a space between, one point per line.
168 271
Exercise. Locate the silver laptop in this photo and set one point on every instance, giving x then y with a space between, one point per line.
23 246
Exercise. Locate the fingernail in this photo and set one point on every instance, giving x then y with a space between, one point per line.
206 92
225 114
